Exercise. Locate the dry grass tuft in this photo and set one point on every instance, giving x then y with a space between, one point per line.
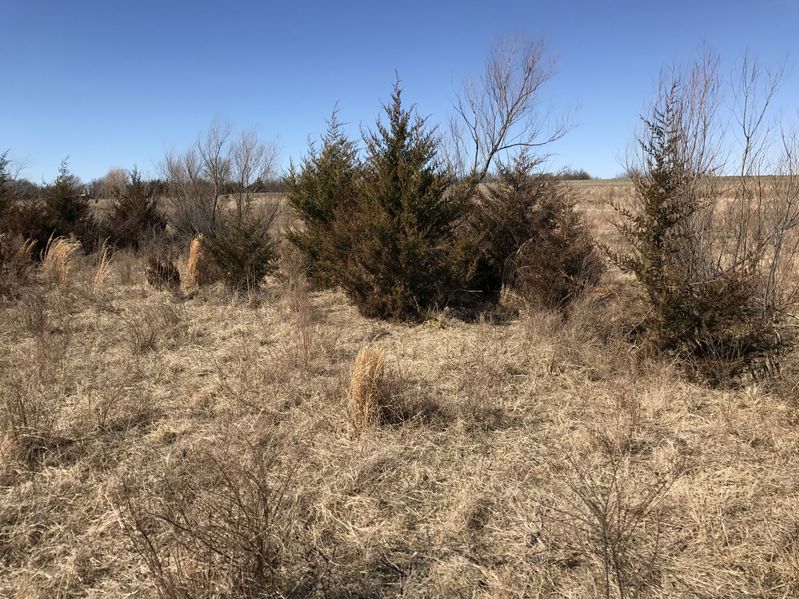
154 326
15 264
367 390
200 269
58 264
103 271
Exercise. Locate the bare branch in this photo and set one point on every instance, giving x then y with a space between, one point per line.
251 160
498 116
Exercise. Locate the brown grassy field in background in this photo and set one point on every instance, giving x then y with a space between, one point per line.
208 445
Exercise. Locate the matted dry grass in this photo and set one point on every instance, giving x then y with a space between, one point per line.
537 457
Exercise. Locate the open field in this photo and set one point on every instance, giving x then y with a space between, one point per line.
201 443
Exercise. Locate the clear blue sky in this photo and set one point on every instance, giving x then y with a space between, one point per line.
114 83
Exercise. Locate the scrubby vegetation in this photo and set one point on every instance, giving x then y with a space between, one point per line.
714 272
530 240
323 191
135 215
413 374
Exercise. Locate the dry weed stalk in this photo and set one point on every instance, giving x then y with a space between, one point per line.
59 260
222 522
103 270
366 388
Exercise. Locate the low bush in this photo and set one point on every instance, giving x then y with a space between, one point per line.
61 211
530 240
134 214
243 251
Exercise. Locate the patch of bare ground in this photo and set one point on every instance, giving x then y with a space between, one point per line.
200 445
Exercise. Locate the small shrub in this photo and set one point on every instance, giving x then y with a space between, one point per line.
530 240
67 205
30 219
162 273
616 518
134 213
223 524
243 252
324 186
61 209
367 392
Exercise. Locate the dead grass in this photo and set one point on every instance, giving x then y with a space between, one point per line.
367 389
58 262
533 456
199 271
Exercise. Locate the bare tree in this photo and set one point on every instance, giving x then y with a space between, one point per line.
200 178
250 161
215 160
114 182
498 115
191 196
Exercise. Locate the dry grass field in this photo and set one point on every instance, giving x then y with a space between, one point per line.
207 445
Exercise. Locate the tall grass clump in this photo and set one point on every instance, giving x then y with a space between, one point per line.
15 264
58 262
102 271
367 391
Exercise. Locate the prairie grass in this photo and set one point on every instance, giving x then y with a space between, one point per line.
58 262
367 389
102 272
202 446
